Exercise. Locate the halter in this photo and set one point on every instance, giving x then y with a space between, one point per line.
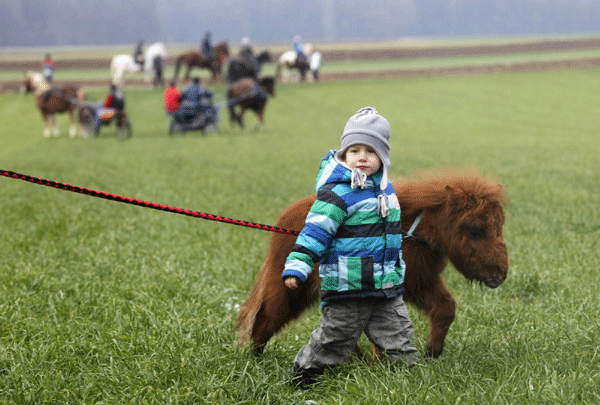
409 235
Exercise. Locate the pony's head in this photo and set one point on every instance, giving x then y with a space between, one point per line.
34 82
27 86
268 84
264 57
222 49
464 220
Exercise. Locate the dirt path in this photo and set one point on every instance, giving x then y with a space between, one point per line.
379 54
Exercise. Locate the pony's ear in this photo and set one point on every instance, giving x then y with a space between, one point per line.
449 189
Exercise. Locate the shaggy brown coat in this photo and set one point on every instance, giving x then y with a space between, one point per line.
462 223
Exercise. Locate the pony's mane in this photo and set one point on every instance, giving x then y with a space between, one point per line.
428 189
37 80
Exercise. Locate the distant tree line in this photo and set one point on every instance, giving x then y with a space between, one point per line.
73 22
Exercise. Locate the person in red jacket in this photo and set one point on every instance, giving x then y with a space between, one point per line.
47 67
172 98
113 106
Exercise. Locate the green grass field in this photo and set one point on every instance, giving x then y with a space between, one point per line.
103 302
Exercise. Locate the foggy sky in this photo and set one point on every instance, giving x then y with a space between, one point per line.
106 22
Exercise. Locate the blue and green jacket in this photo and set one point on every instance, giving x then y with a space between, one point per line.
358 250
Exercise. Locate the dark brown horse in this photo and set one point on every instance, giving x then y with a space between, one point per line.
195 59
247 67
52 100
462 222
249 94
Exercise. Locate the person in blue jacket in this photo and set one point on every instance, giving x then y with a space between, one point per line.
353 230
195 99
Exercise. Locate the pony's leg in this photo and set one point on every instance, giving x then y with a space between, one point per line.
46 120
73 127
441 317
55 131
239 117
260 124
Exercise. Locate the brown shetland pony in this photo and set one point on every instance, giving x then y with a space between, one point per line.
462 223
52 100
250 94
195 59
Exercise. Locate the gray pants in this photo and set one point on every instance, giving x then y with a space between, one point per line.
385 322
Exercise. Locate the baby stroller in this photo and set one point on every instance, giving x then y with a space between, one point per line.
94 116
202 116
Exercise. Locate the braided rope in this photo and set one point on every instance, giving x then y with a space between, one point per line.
141 203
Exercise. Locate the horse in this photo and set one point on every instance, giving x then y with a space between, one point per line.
51 100
195 58
461 220
153 64
250 94
290 61
241 67
152 67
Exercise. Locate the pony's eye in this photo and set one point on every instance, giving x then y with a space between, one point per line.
474 233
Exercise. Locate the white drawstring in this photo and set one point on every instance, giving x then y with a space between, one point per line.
359 179
383 207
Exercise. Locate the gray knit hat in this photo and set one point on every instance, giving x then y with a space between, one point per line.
367 127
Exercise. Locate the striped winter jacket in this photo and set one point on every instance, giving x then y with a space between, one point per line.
358 251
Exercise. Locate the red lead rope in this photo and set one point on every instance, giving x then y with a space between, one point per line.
135 201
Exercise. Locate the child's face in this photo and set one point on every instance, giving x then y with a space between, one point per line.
362 157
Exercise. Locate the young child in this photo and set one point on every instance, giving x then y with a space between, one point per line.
353 230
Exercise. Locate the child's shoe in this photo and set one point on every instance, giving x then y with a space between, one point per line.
304 378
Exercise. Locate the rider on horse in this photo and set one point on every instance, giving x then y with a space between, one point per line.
47 66
298 48
207 49
138 54
247 55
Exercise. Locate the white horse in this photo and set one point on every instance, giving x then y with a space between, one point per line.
153 60
288 60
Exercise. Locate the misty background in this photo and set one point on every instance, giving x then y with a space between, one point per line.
108 22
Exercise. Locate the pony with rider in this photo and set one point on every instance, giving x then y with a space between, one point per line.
247 63
210 57
302 58
149 61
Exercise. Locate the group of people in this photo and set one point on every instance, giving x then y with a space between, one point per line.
193 100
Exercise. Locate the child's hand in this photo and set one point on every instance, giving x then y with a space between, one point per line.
292 283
